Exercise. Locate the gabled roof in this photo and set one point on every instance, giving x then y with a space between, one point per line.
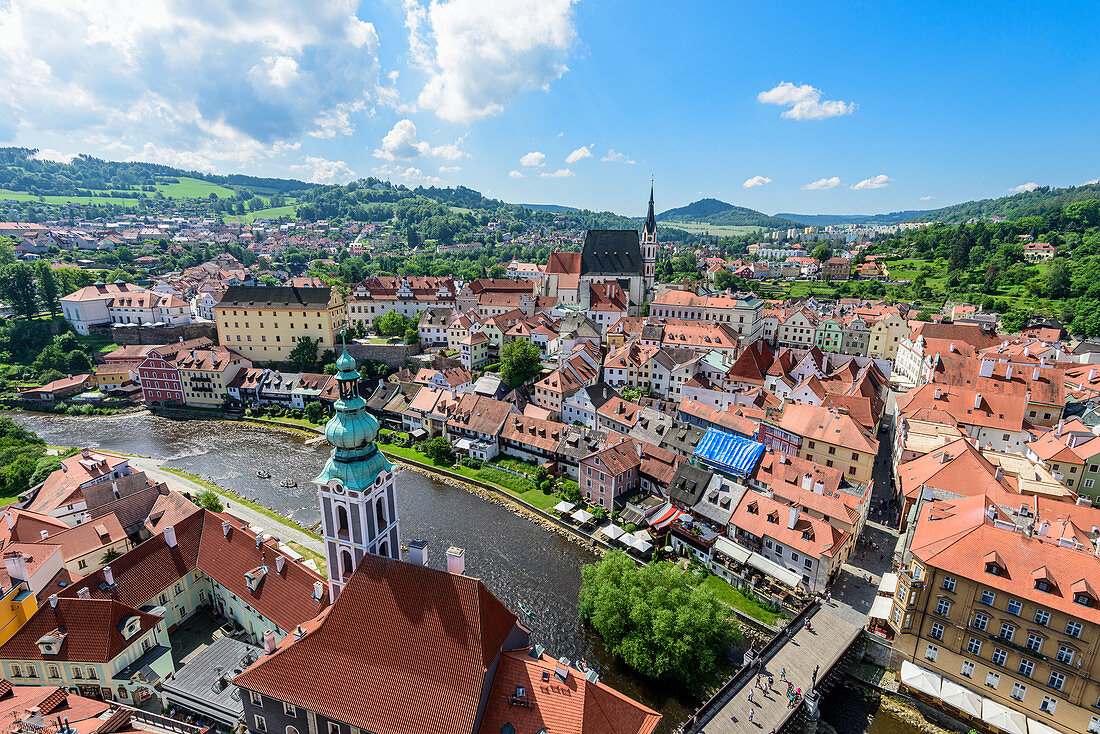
62 487
310 299
428 644
90 630
611 252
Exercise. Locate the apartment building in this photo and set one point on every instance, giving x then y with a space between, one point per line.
822 435
265 323
1003 602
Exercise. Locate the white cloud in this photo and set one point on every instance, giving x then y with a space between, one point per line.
927 198
220 83
534 159
324 171
880 181
402 142
49 154
755 181
1093 181
822 184
560 173
1029 186
336 121
804 102
479 55
515 174
409 175
579 154
614 156
449 169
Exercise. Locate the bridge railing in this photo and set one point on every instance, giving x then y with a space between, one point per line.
703 714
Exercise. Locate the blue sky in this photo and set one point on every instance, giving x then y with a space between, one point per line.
837 107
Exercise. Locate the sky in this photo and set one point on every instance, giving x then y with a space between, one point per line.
798 107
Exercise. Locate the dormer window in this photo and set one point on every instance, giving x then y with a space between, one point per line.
130 626
1083 600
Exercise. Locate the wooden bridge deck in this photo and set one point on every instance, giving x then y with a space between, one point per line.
823 647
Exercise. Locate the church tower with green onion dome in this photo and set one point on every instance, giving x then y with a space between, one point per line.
356 487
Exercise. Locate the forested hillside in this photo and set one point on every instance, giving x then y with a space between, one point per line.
713 211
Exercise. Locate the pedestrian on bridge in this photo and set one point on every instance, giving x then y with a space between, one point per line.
752 713
751 691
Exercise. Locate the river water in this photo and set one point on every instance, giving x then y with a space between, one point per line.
518 560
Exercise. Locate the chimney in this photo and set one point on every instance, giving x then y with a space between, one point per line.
53 601
108 575
456 561
418 551
991 513
951 347
986 369
318 589
10 519
999 474
83 593
279 561
16 566
269 642
170 536
793 518
978 400
1058 429
807 481
225 528
1008 372
1092 375
1084 502
819 487
939 393
44 533
1035 375
299 633
1027 351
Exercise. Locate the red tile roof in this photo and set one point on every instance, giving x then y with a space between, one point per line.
426 646
62 487
90 628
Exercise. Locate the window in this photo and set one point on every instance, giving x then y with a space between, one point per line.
999 656
1019 690
333 728
1014 607
974 646
1007 631
1034 641
32 672
261 724
980 621
1042 617
948 583
92 674
988 597
290 710
1048 705
1026 668
16 671
77 672
1057 680
255 698
936 633
992 679
82 564
1073 629
943 608
52 671
931 652
967 669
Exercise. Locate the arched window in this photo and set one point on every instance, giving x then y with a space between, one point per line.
347 565
380 511
384 549
342 524
291 730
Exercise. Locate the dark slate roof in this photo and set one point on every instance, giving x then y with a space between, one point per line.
382 395
650 220
262 295
688 484
197 681
611 252
682 439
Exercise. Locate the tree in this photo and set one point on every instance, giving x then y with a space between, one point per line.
519 361
412 335
47 287
17 288
440 451
78 362
209 500
497 271
315 412
304 355
392 323
656 620
822 253
723 280
1058 279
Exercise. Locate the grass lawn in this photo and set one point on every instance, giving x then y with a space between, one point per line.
194 188
736 599
24 196
524 489
269 213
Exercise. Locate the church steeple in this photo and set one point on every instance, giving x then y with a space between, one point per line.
649 247
650 219
356 487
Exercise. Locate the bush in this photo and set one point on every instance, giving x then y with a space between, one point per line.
471 463
210 501
439 450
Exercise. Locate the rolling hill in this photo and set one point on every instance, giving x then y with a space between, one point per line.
715 212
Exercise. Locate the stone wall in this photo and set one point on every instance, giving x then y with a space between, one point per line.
162 334
395 355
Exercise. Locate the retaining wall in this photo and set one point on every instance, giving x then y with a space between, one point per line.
394 355
161 334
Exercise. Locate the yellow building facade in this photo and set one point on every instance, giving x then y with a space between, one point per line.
265 324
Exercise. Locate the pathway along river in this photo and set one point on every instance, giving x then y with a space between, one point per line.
518 560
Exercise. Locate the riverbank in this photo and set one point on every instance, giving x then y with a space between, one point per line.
877 689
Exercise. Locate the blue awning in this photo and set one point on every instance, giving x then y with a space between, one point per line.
728 452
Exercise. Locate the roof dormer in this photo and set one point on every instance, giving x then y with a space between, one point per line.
50 643
130 626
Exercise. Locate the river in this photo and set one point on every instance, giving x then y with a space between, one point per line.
518 560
